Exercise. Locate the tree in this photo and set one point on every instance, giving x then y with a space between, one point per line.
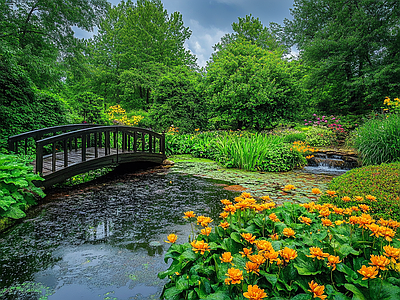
90 107
352 47
252 30
137 42
247 86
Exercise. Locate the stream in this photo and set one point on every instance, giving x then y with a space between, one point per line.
105 240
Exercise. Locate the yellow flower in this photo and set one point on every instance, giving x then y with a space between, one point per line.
338 210
274 237
305 220
204 221
376 230
235 276
326 222
189 214
197 129
226 257
273 217
288 254
316 191
246 252
171 238
358 198
224 215
200 246
346 199
230 208
257 259
263 245
245 195
317 290
254 293
317 252
289 187
252 267
288 232
331 193
266 198
379 261
248 237
339 222
370 198
206 231
226 202
393 253
224 225
324 212
333 261
368 272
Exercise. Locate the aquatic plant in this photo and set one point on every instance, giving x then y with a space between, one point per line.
293 251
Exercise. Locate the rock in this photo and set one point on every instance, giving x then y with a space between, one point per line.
168 162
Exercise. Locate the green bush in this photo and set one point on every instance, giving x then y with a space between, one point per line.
319 136
297 252
291 137
380 181
378 140
16 187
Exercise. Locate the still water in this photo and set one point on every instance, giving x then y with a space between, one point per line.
104 241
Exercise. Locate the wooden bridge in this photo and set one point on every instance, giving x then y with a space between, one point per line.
69 150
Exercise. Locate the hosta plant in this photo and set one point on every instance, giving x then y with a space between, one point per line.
16 187
258 250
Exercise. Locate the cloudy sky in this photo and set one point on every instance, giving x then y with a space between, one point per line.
209 20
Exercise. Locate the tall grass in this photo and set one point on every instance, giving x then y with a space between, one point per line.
378 140
247 152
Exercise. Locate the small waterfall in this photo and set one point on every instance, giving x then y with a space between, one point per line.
331 162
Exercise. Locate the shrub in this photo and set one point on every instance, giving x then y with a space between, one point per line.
291 137
319 136
378 140
16 187
292 252
381 182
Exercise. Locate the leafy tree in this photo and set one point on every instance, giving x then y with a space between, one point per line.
353 48
178 101
250 29
91 107
137 42
247 86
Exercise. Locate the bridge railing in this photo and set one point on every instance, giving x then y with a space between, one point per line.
102 140
25 143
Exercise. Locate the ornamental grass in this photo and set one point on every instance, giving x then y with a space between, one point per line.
258 250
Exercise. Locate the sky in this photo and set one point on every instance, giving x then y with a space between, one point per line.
209 20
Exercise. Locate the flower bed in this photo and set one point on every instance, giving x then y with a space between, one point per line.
293 251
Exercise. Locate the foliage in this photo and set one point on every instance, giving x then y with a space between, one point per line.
90 107
392 105
16 187
287 252
177 101
118 115
293 136
351 49
381 182
319 136
250 87
378 140
258 152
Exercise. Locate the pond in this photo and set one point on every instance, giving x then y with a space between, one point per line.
106 240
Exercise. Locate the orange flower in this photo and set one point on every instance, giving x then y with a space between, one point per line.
234 276
245 195
204 221
338 210
171 238
288 254
368 272
206 231
263 246
365 220
288 232
266 198
309 206
383 222
331 193
273 217
326 222
226 202
242 205
268 205
274 237
364 207
393 224
257 259
317 290
248 237
246 252
289 187
230 209
252 267
224 215
393 253
254 293
226 257
379 261
333 261
317 252
305 220
189 214
316 191
346 199
224 225
325 212
272 256
200 246
339 222
376 230
358 198
370 198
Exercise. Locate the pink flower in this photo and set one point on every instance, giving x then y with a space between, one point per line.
314 115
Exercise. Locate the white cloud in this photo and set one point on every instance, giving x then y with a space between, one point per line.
202 40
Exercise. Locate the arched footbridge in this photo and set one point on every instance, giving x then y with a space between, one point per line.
68 150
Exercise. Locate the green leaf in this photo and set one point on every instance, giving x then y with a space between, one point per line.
302 297
14 212
6 202
306 266
187 255
357 294
346 249
351 275
219 295
271 278
383 290
236 237
171 292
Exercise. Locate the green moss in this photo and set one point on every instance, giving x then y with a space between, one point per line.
380 181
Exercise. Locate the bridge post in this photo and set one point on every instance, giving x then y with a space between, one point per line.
39 159
162 143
